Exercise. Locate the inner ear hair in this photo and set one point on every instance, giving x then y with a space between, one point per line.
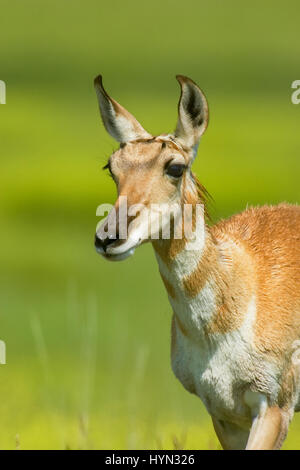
192 103
192 114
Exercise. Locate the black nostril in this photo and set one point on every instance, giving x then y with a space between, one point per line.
99 243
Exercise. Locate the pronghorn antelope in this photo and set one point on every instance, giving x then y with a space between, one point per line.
235 296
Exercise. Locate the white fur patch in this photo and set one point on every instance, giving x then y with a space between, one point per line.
186 262
218 369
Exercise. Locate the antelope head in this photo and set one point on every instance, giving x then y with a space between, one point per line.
148 171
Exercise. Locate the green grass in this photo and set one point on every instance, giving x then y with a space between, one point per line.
88 341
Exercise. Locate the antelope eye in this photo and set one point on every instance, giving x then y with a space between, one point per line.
175 170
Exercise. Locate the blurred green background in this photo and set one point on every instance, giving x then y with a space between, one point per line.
88 341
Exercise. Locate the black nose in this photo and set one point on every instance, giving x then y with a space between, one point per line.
99 243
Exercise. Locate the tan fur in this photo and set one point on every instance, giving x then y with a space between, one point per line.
270 430
267 265
169 249
271 238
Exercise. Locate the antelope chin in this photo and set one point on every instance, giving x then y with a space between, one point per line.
117 256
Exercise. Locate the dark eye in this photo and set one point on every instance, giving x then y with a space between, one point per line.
175 170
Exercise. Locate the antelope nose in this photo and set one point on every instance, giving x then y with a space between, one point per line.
104 243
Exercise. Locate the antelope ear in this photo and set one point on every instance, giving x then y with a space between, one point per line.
118 122
192 114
